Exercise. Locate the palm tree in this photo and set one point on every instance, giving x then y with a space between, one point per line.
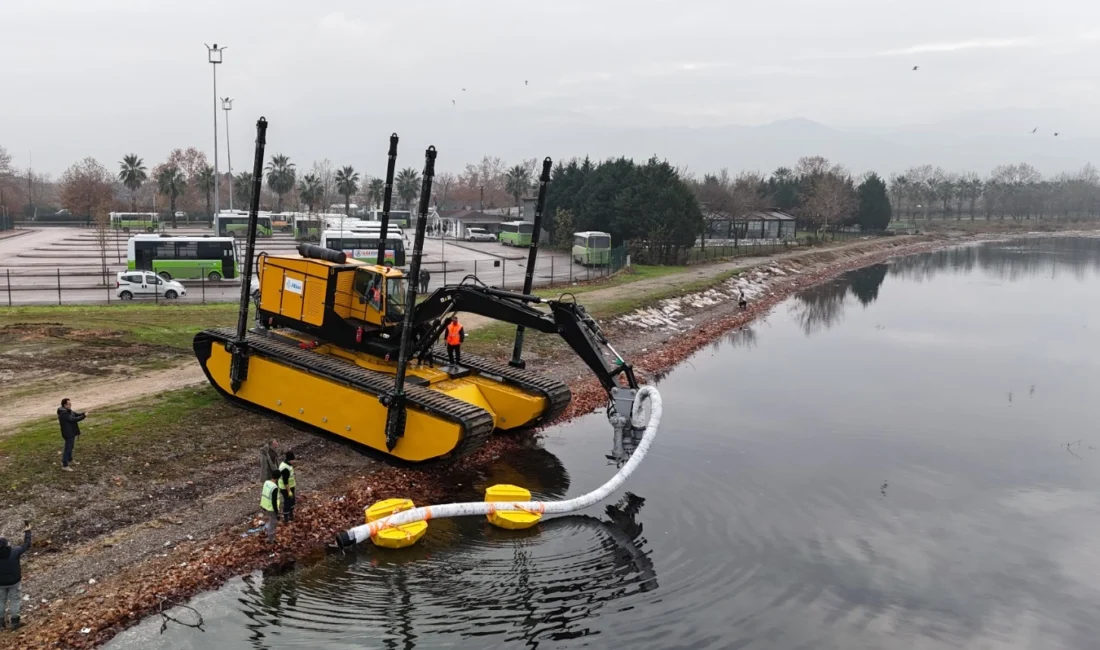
132 175
171 183
204 179
347 183
310 190
242 189
408 186
517 182
280 177
376 192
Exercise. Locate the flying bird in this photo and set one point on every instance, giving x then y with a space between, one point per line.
524 82
915 68
1035 129
1056 134
463 90
453 102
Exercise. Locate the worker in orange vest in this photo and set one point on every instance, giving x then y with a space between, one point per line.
455 336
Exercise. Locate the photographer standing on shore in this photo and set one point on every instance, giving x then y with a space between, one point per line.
70 429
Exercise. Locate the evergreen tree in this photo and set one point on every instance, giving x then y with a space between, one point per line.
874 205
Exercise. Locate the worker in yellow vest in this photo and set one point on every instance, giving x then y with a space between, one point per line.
455 336
269 503
286 486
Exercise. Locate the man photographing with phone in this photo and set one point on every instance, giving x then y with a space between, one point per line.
11 576
70 429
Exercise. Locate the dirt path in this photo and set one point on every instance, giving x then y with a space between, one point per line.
94 394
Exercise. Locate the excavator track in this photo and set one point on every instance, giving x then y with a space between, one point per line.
557 394
476 422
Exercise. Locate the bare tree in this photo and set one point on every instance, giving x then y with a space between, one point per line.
715 197
86 188
832 199
444 185
326 173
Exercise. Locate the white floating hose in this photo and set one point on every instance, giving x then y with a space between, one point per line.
364 532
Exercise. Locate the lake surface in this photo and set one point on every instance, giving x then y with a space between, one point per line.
904 458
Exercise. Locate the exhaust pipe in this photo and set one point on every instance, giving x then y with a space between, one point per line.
311 251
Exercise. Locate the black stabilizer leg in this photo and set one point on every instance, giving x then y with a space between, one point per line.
544 180
387 196
238 365
395 418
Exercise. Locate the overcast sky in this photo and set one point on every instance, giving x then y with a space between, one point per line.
334 77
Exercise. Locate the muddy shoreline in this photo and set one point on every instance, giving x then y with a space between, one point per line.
122 600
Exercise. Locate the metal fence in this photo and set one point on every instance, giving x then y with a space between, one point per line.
72 286
7 222
728 249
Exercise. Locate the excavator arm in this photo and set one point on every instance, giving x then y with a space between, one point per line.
565 318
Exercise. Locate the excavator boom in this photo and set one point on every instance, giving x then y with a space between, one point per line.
566 318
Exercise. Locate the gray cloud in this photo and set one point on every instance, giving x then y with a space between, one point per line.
108 77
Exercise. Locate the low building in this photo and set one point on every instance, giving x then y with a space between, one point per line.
759 224
455 222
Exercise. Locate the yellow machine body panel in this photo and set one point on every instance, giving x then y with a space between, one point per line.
511 407
294 287
335 408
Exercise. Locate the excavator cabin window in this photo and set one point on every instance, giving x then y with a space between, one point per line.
368 287
395 297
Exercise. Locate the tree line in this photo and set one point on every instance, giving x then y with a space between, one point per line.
647 205
185 181
663 208
1017 191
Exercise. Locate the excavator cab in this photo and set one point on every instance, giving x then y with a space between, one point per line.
379 295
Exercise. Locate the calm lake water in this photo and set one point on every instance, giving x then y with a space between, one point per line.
904 458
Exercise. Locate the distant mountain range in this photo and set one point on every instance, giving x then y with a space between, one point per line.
976 142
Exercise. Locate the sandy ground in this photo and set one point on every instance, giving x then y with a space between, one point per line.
90 395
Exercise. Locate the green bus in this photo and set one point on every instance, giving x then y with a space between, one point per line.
592 248
516 233
235 225
183 258
137 221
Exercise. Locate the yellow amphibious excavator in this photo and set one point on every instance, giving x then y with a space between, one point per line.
336 338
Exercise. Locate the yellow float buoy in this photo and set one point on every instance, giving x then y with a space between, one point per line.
510 519
397 536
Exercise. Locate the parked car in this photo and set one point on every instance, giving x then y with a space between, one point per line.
146 284
479 234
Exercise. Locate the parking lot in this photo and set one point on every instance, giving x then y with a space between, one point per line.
64 266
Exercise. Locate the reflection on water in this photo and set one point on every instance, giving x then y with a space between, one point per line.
823 305
1072 257
849 475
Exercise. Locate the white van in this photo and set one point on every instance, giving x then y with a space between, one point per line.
146 284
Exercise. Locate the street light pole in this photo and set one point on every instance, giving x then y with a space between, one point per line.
227 105
214 55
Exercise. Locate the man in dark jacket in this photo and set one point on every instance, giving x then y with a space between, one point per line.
425 278
11 576
69 431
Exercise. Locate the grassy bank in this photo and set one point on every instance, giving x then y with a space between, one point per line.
149 437
170 325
